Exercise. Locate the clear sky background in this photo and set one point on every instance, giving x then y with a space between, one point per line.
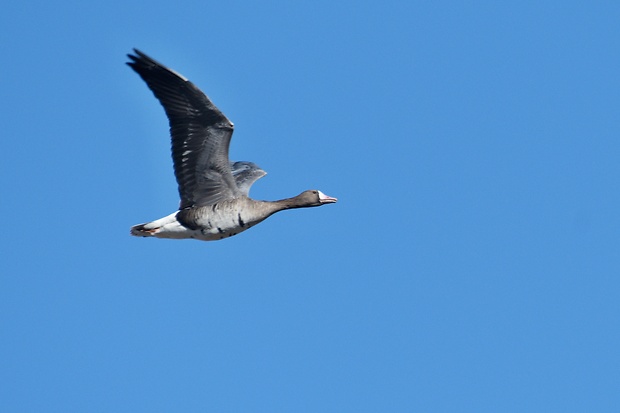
471 264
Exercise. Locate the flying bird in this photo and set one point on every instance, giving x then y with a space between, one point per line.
214 192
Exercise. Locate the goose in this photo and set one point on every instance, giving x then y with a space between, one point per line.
214 191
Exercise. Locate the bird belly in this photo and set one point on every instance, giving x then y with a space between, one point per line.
175 230
219 226
208 225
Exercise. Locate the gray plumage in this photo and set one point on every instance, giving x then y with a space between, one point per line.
245 174
214 192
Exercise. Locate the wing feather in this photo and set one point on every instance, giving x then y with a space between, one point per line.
200 134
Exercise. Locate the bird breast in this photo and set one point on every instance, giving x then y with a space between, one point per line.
220 220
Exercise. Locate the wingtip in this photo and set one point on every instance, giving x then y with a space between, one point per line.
139 52
139 55
133 58
142 60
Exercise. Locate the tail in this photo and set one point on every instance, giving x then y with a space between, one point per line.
151 229
142 231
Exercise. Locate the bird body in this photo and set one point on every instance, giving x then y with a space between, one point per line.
218 221
221 220
214 192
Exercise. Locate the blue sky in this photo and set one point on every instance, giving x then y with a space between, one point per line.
471 264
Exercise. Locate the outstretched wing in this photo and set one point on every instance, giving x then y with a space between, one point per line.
200 134
245 174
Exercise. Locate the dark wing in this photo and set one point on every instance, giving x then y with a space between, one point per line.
200 134
245 174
